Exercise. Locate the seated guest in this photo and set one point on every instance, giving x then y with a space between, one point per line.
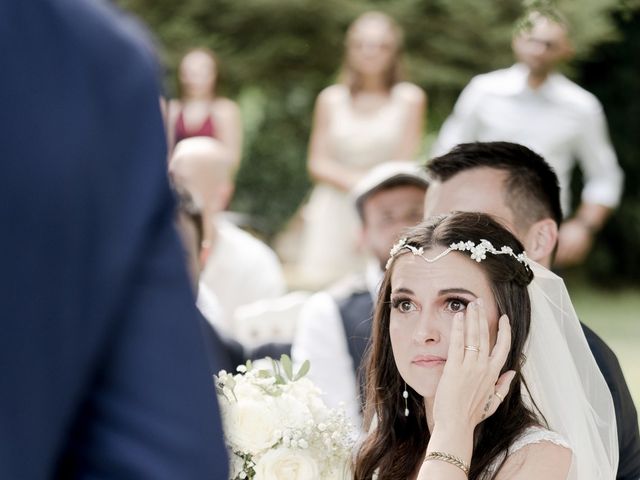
335 324
223 352
239 268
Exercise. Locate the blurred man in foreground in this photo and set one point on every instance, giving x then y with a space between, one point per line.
104 373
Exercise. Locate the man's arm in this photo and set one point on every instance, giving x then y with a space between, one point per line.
602 189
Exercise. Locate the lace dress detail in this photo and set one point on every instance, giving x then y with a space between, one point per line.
536 435
530 436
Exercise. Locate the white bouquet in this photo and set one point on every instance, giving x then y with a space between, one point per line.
277 427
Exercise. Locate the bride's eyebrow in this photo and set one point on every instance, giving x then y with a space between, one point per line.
448 291
403 290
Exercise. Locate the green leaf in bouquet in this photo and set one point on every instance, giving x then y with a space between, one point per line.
262 373
304 369
285 361
276 372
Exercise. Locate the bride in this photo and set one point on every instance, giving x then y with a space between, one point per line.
478 368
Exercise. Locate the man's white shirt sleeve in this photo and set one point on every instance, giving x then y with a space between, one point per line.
321 339
603 176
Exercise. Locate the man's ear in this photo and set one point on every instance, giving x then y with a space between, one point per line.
540 240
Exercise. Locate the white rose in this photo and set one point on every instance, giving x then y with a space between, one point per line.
251 425
340 471
286 464
247 390
295 413
305 391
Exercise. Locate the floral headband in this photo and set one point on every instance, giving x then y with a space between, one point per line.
478 252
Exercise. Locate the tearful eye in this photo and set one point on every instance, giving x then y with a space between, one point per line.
404 305
456 305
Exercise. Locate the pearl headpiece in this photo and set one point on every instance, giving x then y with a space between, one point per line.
478 252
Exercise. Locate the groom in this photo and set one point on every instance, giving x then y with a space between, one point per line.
518 187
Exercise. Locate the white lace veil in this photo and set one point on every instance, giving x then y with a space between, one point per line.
565 381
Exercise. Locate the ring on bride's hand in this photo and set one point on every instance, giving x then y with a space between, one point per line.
472 348
499 396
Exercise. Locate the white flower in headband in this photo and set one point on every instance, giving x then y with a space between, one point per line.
478 252
397 247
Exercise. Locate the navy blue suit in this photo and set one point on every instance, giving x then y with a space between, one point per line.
103 373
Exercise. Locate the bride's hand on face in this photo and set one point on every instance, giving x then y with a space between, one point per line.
471 387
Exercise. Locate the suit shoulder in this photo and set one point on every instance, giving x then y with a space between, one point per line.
607 362
598 346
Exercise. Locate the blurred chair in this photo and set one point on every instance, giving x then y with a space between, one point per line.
269 320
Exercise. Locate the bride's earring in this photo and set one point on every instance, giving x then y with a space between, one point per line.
405 395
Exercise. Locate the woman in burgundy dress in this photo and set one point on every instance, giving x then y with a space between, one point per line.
199 112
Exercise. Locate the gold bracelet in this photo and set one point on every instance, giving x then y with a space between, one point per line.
447 457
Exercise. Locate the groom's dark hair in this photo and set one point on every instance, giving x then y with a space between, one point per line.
531 187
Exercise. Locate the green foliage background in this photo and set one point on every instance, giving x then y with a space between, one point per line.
612 73
276 55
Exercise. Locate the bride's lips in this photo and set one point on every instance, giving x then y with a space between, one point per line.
428 360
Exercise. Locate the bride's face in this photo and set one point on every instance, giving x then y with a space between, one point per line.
424 299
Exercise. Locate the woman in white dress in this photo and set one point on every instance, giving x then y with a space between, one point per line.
470 344
370 117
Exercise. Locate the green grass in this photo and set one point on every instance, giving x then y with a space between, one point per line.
613 314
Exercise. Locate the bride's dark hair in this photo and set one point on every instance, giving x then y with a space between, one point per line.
396 444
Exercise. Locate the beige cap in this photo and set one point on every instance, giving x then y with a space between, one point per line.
386 175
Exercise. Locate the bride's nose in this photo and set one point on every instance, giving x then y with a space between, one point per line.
427 329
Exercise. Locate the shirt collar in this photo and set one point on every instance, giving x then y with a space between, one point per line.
373 277
516 82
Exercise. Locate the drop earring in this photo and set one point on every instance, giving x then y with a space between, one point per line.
405 395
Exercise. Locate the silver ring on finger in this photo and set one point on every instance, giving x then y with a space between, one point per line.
500 397
472 348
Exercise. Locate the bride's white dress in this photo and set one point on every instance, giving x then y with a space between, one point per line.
531 435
